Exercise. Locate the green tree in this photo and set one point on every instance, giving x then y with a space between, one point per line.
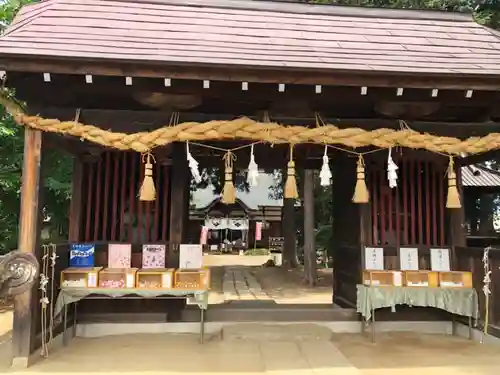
57 168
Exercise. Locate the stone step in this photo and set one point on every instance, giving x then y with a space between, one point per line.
272 332
268 311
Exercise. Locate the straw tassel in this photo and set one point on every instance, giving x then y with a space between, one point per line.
228 192
360 191
453 198
291 182
148 191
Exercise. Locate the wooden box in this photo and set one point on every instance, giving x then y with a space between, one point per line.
117 278
382 278
154 278
192 279
421 279
80 277
455 279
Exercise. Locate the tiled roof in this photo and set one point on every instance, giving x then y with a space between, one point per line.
480 176
255 33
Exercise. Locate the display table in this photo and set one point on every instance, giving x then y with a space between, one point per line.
458 301
68 296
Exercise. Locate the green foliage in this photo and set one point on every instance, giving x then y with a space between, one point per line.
57 168
486 12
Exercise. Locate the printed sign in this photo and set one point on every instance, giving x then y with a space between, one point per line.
153 256
190 256
119 255
374 258
440 260
81 255
408 258
258 231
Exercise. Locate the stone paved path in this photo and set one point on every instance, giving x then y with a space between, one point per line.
240 285
250 352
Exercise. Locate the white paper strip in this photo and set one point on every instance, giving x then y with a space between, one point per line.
193 165
392 168
325 174
253 170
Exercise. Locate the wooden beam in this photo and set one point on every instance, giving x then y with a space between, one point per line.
478 158
250 74
76 204
71 145
457 216
27 304
310 271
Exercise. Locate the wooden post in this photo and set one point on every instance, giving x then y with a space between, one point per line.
179 189
75 207
26 305
289 233
179 193
457 222
310 271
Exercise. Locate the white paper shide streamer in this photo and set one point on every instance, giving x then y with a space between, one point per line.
193 165
253 170
325 174
392 168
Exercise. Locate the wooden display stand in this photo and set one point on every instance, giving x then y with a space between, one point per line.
80 277
154 278
382 278
429 279
192 279
117 278
455 279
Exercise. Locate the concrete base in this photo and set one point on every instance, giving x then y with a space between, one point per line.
215 328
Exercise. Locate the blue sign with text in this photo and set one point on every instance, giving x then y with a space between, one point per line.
81 255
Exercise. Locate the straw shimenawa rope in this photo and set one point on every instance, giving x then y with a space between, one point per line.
245 128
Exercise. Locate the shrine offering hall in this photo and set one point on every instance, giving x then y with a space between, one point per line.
380 107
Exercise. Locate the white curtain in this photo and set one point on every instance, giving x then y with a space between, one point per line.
214 223
238 224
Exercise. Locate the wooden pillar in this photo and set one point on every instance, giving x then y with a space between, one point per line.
179 189
310 271
27 305
75 207
289 233
458 235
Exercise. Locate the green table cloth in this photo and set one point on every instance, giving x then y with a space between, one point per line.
68 296
460 301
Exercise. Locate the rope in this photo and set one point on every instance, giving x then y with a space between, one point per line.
44 300
245 128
